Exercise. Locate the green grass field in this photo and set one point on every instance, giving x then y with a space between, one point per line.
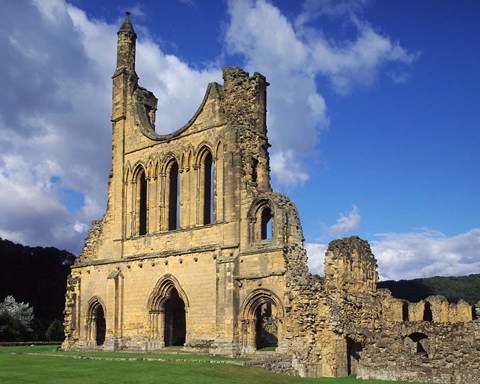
18 367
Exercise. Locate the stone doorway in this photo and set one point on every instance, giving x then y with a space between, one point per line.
100 325
168 314
353 355
95 322
266 329
261 321
175 324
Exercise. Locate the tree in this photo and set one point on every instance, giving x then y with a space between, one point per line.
37 276
15 320
55 331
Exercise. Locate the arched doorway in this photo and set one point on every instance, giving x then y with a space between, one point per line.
175 325
96 323
100 325
262 320
266 329
168 313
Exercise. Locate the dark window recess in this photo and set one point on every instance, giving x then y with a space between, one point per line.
266 229
208 214
142 211
174 198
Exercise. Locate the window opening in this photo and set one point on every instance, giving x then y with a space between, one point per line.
266 228
420 344
475 312
405 312
142 211
208 178
427 313
174 198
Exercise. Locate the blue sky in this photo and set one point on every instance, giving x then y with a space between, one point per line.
373 114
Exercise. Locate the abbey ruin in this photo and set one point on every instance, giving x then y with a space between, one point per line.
195 250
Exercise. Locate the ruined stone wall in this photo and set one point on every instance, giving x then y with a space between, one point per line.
425 352
223 268
239 286
343 325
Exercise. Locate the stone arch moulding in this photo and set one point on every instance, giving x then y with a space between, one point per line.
96 321
165 289
142 121
218 149
261 217
201 149
249 317
128 173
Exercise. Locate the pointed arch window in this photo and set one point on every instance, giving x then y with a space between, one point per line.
141 203
173 197
208 189
261 219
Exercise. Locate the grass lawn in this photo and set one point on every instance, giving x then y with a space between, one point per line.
38 369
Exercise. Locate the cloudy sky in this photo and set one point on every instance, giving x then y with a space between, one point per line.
373 114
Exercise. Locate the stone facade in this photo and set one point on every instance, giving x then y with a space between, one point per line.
196 250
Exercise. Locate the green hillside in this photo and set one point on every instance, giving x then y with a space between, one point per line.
453 288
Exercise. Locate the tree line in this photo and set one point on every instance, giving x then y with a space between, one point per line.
453 288
35 277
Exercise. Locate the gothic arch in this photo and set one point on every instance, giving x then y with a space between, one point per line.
169 191
150 168
155 166
163 288
262 317
218 149
167 160
168 313
128 173
206 185
138 167
261 219
95 321
140 199
200 152
186 158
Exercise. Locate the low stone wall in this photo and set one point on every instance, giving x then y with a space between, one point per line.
425 352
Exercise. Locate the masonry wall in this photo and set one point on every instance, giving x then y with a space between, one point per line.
193 228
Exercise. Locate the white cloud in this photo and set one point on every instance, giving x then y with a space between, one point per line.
426 253
293 55
55 111
415 254
316 257
346 223
56 90
287 169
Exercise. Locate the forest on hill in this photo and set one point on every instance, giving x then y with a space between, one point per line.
37 276
453 288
